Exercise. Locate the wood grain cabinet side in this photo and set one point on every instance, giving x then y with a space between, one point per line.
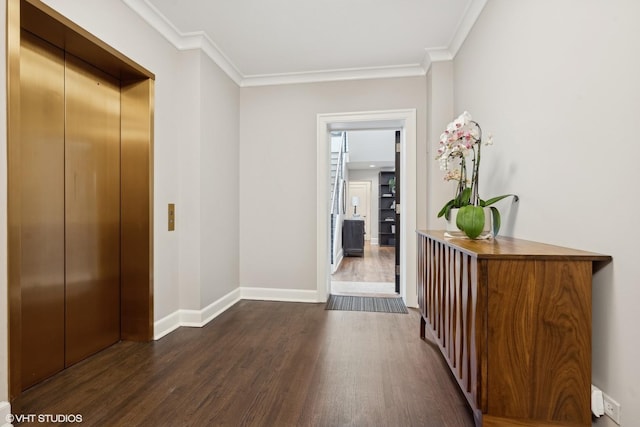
512 318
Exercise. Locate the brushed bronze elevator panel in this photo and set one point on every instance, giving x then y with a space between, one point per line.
41 187
136 198
92 188
28 116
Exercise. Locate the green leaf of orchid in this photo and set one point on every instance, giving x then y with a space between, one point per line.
446 209
470 219
447 214
495 215
463 199
497 199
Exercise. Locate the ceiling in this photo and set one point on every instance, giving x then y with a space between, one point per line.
281 41
371 149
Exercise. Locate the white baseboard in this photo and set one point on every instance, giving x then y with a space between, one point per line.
166 325
5 411
270 294
199 318
194 318
374 241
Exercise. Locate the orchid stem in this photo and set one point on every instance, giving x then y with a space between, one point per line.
475 195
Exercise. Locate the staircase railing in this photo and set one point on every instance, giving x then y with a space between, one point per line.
338 200
338 190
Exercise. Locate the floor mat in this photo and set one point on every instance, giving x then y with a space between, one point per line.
358 303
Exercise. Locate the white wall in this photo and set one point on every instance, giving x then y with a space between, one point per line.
557 81
439 113
277 127
219 188
207 214
188 204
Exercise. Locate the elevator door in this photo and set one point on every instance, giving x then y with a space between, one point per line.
92 210
41 209
70 209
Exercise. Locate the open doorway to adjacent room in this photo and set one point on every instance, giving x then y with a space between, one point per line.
363 174
403 123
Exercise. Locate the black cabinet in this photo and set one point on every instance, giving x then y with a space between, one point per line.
387 209
353 237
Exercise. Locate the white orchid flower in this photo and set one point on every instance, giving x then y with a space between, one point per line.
453 175
488 140
444 163
459 123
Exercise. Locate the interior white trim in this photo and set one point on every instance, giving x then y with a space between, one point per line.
275 294
194 318
326 123
200 40
467 22
166 325
199 318
363 288
5 412
436 55
185 41
411 70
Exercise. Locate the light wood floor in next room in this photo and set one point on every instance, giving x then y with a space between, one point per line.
262 363
377 265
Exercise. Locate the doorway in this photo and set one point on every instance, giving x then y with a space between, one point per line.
404 119
79 196
370 164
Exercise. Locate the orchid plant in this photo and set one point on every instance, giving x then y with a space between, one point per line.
463 139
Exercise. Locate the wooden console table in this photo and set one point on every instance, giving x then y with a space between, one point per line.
513 321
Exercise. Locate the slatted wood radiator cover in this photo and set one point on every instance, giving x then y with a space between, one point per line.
512 318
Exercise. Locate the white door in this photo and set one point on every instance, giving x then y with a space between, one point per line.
362 191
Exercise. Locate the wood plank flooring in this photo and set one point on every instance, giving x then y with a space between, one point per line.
377 265
264 364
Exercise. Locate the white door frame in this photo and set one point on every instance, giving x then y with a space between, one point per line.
395 119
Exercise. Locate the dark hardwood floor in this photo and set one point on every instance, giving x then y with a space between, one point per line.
264 364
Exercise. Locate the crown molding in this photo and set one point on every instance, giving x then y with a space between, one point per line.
436 55
200 40
411 70
467 22
184 41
